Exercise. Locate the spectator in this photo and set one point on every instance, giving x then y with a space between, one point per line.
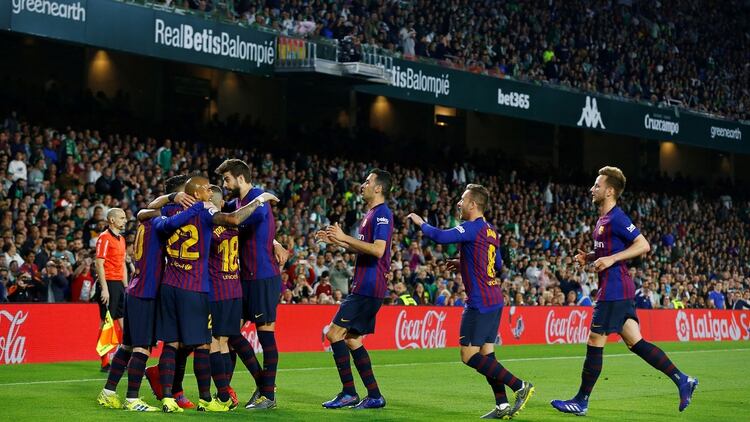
56 282
716 296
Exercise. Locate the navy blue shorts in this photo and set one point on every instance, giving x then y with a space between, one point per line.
610 316
225 317
479 328
139 328
183 316
357 313
260 299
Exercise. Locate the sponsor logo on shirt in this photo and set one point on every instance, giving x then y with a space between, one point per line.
630 228
381 220
460 229
598 244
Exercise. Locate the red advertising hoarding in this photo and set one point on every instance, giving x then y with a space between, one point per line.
31 333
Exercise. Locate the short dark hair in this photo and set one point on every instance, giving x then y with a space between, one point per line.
480 195
384 180
174 183
235 167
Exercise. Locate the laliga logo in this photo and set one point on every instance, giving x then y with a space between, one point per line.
427 333
12 346
569 330
683 326
707 327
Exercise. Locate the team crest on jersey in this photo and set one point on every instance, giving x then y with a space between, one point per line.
601 229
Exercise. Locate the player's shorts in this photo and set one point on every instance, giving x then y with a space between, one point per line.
610 316
260 299
116 305
479 328
225 317
357 313
140 322
183 316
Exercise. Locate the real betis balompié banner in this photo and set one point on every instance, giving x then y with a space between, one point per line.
438 85
143 30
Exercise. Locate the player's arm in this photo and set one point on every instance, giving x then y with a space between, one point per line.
125 270
178 197
170 225
322 236
147 214
583 257
239 216
257 215
639 247
376 249
454 235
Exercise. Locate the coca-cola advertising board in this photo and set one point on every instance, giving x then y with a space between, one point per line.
67 332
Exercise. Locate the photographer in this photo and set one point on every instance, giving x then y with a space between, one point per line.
56 282
24 290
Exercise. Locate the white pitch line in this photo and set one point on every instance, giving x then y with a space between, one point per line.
390 365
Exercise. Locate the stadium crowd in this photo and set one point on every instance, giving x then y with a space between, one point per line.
688 53
56 186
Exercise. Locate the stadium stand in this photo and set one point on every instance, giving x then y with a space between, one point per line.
58 183
662 58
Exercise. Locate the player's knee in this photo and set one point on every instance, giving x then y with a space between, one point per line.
353 343
145 351
466 355
335 334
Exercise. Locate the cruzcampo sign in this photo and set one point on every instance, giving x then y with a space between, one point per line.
454 88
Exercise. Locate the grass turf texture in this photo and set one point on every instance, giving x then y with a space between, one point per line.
422 385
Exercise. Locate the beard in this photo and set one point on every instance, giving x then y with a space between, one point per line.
235 193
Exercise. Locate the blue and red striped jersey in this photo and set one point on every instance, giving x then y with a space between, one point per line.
224 264
149 253
480 261
614 232
256 234
370 272
188 250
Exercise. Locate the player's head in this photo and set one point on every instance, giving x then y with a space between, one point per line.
217 196
116 218
474 201
176 183
234 173
377 185
608 185
198 188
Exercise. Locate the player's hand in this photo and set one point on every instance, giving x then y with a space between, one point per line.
334 232
281 254
581 257
210 206
184 199
266 197
452 264
415 219
603 263
322 236
105 297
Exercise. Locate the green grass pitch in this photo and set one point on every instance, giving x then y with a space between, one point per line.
423 385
